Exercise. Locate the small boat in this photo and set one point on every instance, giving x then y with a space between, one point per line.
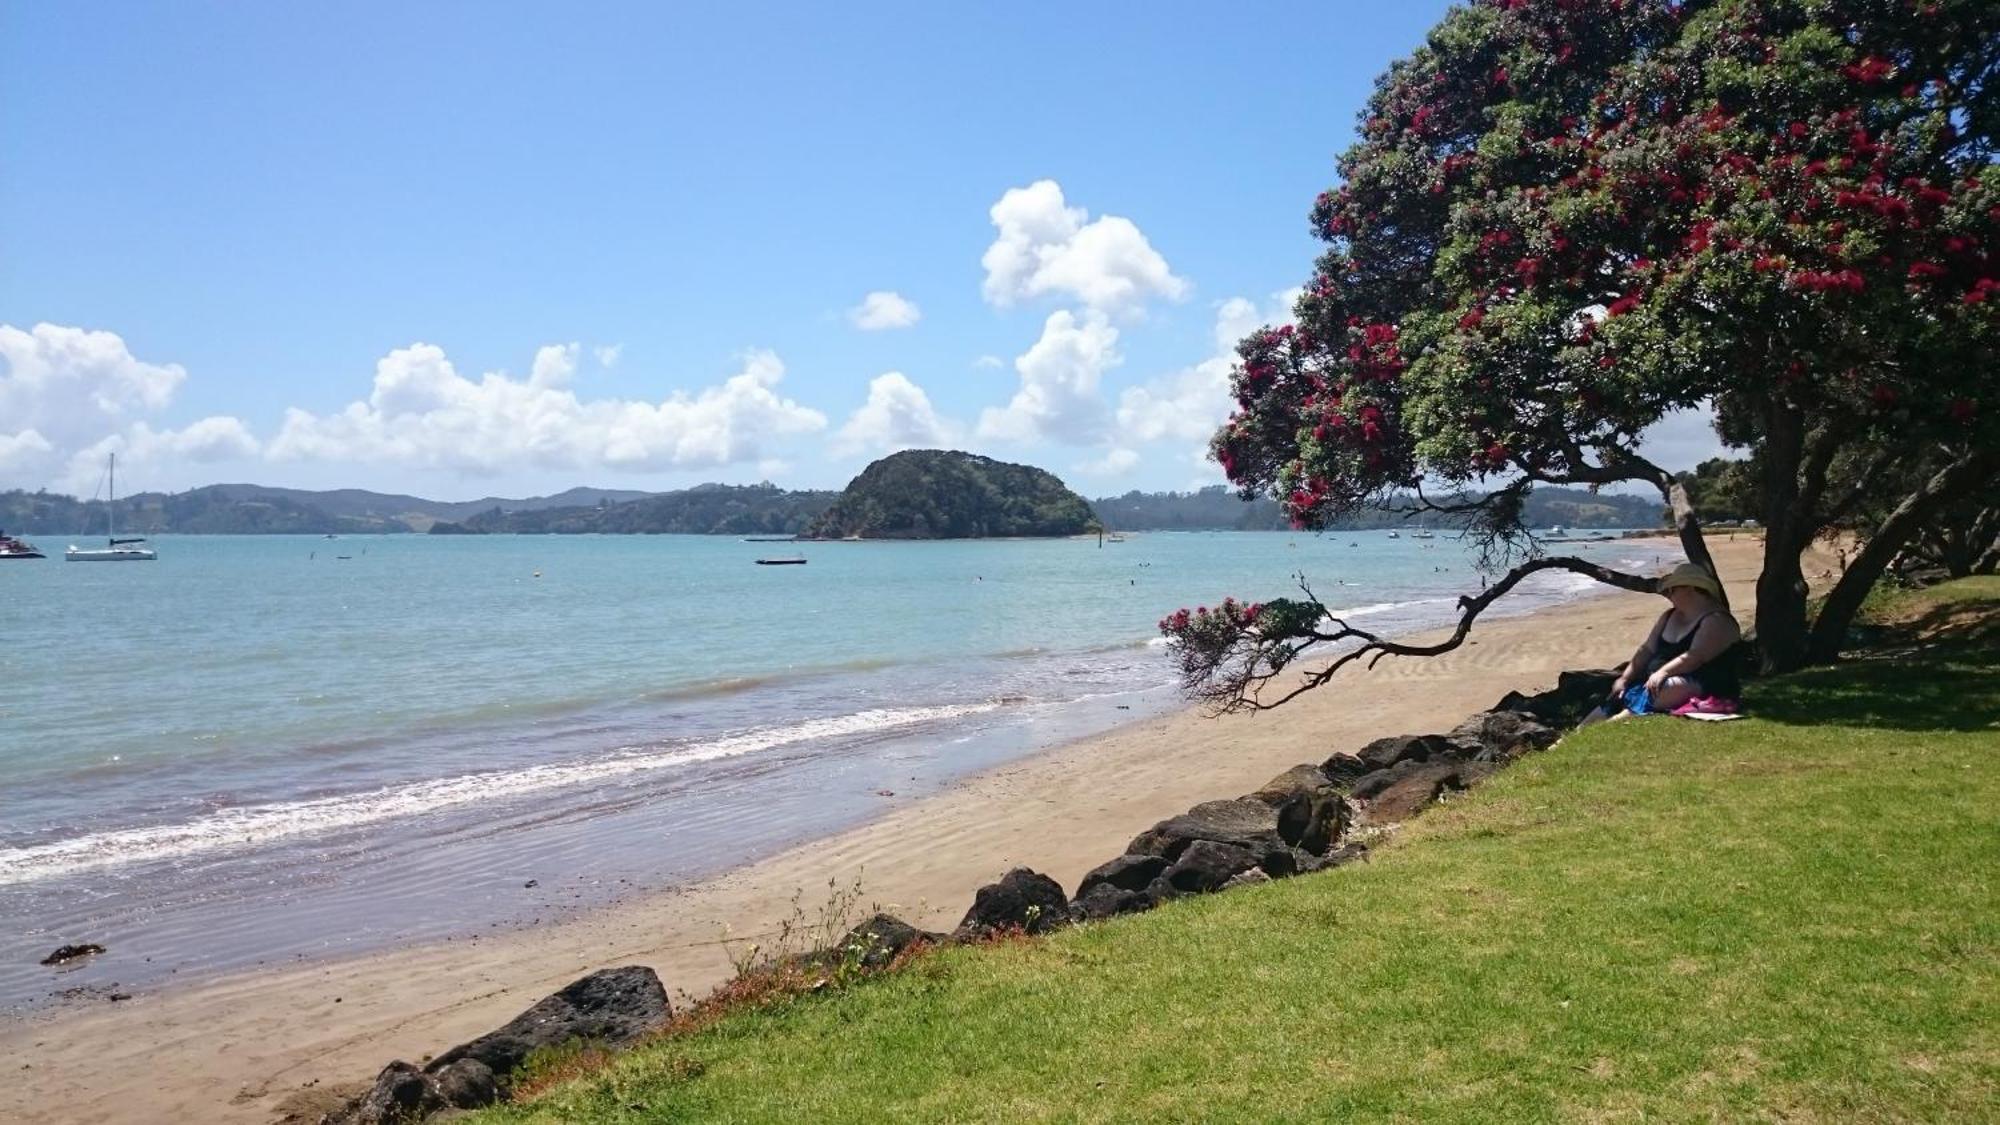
115 549
795 560
1394 534
12 548
770 539
1423 533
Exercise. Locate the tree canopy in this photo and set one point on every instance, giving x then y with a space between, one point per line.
1566 219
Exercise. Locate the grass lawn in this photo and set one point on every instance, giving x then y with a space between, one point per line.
1790 917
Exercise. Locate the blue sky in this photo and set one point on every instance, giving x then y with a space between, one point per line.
461 249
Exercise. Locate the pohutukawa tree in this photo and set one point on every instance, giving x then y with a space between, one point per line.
1566 219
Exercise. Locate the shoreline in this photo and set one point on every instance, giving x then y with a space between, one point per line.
252 1045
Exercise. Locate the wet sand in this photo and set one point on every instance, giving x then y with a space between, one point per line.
257 1045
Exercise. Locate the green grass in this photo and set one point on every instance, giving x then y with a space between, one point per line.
1790 917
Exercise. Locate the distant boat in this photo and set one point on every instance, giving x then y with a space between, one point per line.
1556 532
795 560
770 539
1394 534
12 548
115 549
1423 533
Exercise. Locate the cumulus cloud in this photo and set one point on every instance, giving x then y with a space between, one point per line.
1116 462
1046 247
1192 402
67 384
608 354
992 362
883 309
422 412
897 415
20 453
1059 398
144 453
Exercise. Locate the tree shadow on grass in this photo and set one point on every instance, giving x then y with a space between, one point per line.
1941 687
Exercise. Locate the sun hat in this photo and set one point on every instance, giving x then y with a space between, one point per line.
1694 576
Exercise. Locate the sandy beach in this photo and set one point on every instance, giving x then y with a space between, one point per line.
255 1046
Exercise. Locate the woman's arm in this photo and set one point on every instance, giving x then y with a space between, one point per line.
1712 638
1635 669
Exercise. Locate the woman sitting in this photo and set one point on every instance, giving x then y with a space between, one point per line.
1691 651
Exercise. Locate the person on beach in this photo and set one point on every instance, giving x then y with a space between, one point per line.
1690 653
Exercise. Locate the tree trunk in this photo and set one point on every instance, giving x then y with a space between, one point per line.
1693 543
1781 584
1829 633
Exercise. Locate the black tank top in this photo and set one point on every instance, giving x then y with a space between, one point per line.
1718 676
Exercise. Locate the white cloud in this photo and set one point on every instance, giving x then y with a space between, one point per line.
989 362
67 384
422 412
21 453
897 415
608 354
884 309
146 456
1046 247
1683 439
1059 397
1192 402
1115 463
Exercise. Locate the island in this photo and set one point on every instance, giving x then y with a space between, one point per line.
950 494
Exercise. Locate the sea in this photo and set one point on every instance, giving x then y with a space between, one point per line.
260 750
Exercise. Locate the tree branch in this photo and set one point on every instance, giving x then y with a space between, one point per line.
1231 675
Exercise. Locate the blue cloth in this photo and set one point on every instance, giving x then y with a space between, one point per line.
1638 700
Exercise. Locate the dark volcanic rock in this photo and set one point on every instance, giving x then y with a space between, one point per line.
611 1006
1205 866
1338 857
466 1084
1344 769
1564 705
1312 812
879 940
1244 823
1385 752
401 1093
1126 873
69 953
1408 788
1105 900
1022 899
1501 736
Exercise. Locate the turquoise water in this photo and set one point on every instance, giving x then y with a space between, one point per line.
309 747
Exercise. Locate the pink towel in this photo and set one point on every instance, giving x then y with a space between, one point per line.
1707 705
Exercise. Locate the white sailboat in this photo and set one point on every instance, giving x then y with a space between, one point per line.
115 549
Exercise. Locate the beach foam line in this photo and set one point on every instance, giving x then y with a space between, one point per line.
254 825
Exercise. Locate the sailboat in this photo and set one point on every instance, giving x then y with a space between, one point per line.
115 549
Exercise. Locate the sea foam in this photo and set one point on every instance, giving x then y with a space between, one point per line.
254 825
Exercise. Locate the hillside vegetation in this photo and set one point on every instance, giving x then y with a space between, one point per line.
947 494
1788 917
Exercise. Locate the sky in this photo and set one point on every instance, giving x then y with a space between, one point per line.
470 249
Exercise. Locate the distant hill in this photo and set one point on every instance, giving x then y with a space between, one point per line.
251 509
709 509
948 494
1219 508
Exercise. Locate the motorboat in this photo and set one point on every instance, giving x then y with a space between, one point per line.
12 548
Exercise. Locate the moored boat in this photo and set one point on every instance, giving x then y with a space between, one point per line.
115 549
795 560
12 548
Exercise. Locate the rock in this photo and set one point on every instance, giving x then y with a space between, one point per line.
67 953
611 1007
401 1093
1022 899
1385 752
1564 705
1206 865
1248 878
1343 769
1408 788
1312 813
466 1084
1126 873
1245 823
1502 736
879 940
1106 900
1338 857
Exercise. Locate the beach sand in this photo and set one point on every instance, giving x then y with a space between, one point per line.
257 1045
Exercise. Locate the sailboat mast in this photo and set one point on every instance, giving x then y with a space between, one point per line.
111 501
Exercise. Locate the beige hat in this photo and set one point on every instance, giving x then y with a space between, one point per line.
1693 576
